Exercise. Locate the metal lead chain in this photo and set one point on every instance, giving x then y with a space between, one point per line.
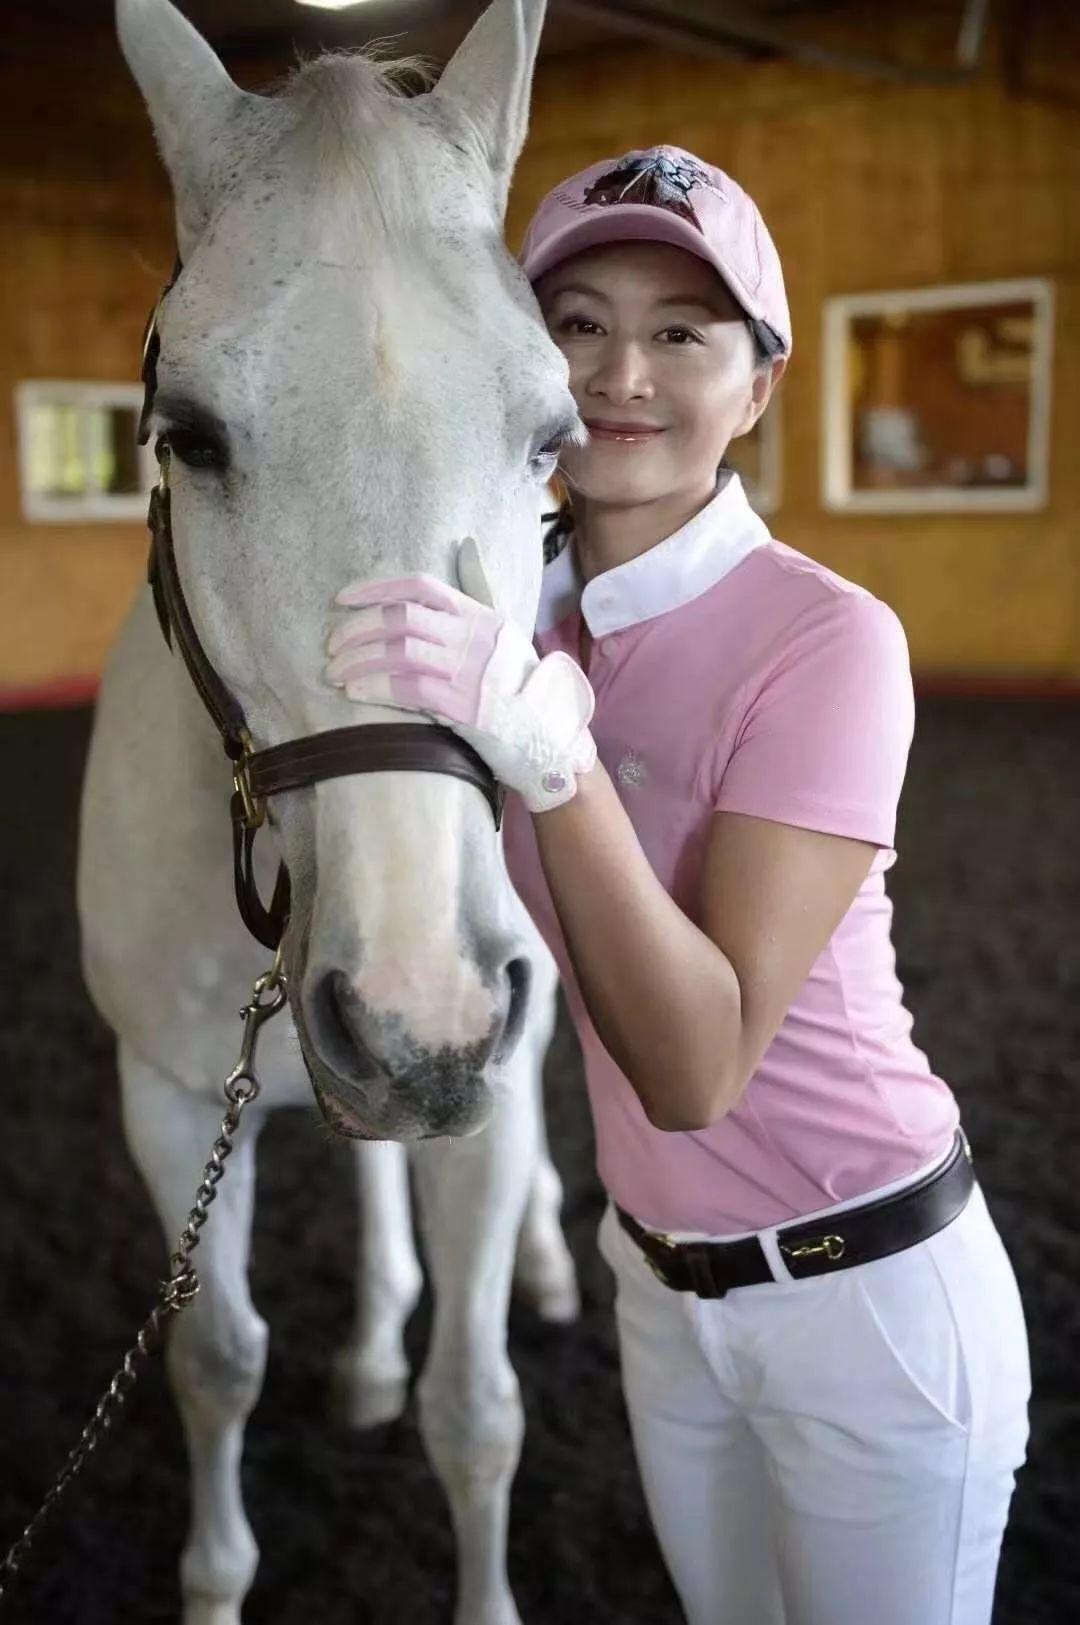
179 1289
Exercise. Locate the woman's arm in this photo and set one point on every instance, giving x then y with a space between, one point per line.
685 1010
688 1012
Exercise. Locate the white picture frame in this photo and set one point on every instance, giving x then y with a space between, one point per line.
84 402
876 457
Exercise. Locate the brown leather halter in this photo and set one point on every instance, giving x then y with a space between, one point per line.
378 747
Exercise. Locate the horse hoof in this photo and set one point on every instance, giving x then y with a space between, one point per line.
362 1400
210 1611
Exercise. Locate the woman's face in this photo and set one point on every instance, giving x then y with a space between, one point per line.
661 367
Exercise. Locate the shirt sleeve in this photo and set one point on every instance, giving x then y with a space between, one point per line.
825 738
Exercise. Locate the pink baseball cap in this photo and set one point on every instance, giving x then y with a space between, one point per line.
666 195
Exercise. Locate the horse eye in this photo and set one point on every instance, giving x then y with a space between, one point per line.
544 457
197 451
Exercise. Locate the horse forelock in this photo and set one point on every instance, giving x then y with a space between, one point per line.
346 118
338 83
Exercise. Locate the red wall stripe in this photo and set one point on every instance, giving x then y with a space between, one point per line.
51 696
63 692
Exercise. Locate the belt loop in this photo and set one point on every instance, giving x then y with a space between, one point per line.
770 1246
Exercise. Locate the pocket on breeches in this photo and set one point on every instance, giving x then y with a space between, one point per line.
946 1315
894 1379
911 1342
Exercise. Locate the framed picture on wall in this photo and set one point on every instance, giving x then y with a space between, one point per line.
937 400
78 453
755 457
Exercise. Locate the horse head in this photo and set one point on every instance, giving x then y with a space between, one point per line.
352 377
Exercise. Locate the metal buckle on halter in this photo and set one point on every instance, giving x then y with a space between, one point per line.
254 806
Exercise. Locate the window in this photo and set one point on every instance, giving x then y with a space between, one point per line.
78 456
937 400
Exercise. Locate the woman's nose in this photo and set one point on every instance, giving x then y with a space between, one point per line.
622 374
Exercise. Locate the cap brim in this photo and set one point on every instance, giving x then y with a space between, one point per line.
628 223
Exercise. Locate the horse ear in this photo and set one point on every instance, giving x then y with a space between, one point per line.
194 105
488 80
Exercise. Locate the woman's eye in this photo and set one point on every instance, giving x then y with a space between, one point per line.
681 336
578 326
197 450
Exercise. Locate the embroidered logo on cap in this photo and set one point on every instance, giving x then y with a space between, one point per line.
651 178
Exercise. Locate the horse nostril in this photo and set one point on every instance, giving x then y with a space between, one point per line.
340 1015
336 997
518 974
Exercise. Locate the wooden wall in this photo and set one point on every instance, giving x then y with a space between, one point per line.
87 240
865 185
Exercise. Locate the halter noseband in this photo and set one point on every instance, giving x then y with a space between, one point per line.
377 747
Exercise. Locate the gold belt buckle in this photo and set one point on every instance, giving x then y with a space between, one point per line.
657 1268
831 1246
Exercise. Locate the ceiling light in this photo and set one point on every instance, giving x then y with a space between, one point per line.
330 5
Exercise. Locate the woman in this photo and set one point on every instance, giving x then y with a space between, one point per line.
823 1348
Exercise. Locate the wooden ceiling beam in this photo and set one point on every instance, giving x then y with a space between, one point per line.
731 29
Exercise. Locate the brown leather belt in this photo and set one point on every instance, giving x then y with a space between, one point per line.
856 1236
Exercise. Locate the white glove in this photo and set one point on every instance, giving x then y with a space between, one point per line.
420 645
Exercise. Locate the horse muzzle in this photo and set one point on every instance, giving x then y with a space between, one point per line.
374 1079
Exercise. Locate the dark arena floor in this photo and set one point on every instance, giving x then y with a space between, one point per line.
353 1528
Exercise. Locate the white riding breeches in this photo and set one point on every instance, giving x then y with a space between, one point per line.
836 1450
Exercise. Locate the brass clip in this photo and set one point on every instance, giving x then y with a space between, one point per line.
267 998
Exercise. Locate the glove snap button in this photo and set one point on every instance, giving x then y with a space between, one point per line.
554 782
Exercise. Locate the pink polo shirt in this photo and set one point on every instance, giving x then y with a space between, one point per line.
733 674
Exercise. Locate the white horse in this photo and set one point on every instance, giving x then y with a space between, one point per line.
353 376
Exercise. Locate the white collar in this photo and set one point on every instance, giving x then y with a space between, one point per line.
667 576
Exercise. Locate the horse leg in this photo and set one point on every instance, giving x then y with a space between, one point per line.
472 1193
217 1348
371 1373
544 1273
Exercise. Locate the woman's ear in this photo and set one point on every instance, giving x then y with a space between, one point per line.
764 381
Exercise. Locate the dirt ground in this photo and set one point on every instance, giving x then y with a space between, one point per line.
353 1529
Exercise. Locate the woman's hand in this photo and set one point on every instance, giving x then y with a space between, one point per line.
420 645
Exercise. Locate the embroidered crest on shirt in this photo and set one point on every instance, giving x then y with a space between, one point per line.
632 771
653 178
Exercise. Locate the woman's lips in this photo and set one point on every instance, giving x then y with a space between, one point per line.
628 433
